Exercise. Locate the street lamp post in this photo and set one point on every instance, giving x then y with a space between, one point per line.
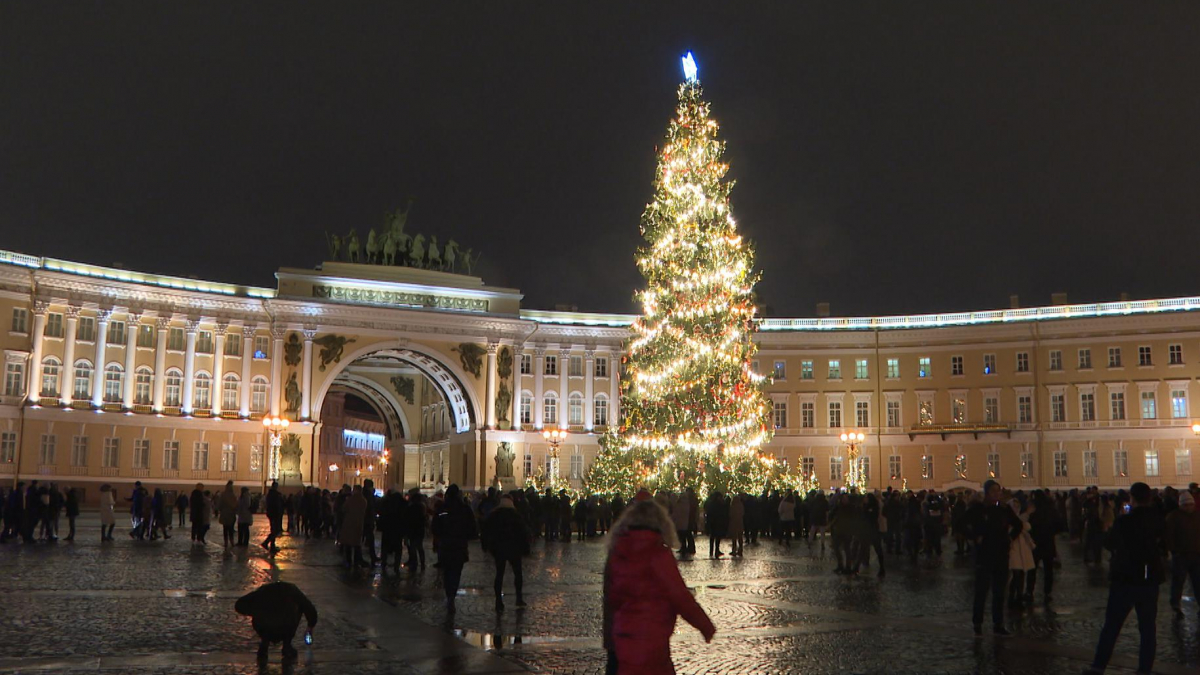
854 475
275 427
555 437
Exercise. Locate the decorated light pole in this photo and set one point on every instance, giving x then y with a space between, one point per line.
854 475
275 427
555 437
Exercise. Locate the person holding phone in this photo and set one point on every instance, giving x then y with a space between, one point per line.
275 610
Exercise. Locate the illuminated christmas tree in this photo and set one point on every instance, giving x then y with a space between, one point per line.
694 413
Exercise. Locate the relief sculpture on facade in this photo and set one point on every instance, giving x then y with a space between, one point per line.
332 347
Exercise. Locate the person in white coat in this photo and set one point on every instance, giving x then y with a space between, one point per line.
681 517
108 516
1020 555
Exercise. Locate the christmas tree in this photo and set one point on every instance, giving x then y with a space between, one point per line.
694 412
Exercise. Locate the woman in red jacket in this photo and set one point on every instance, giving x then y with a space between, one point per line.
643 592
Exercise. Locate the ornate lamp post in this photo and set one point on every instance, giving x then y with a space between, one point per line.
555 437
275 427
854 475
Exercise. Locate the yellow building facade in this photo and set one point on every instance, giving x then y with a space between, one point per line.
113 376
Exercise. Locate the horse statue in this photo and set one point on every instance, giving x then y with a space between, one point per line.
450 255
372 247
352 252
335 245
416 251
435 256
389 249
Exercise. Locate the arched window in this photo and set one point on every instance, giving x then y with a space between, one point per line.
231 388
174 394
51 368
83 380
202 397
600 408
550 408
258 394
143 381
575 409
114 378
526 408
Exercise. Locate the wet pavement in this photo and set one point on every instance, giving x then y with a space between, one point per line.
167 607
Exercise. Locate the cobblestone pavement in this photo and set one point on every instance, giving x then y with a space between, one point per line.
167 607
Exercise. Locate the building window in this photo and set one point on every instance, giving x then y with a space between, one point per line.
47 449
51 367
175 340
1117 401
894 466
893 369
1183 462
551 366
171 455
79 451
989 364
1091 466
780 371
1179 403
1085 359
925 412
575 409
145 336
114 380
1152 462
807 415
83 380
1114 357
835 369
958 410
923 367
601 367
85 330
1175 355
231 389
993 460
526 408
233 344
228 457
808 467
550 408
600 411
860 369
141 453
806 370
258 394
1121 463
174 389
1144 356
526 364
256 458
1058 408
576 467
1026 465
1056 362
1025 409
200 456
893 414
20 320
143 379
835 469
1087 407
1060 463
956 365
110 453
927 466
1022 362
575 366
862 413
8 447
780 414
262 345
116 333
991 410
864 467
14 378
527 466
1149 409
204 342
835 414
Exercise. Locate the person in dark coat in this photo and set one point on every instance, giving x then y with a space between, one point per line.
416 517
993 528
14 512
1043 527
507 538
159 518
196 503
181 505
72 506
275 610
245 518
274 517
369 519
391 529
454 526
716 518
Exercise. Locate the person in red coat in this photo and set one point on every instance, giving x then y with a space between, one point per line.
644 592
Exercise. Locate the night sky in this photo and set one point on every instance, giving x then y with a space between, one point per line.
891 157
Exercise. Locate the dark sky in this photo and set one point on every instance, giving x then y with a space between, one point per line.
891 157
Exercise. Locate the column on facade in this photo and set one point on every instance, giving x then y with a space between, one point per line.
306 375
66 382
489 406
277 333
102 319
564 389
162 324
218 369
189 366
247 361
539 374
614 394
516 397
589 372
131 333
36 338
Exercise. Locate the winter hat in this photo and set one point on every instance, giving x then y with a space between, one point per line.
642 495
506 502
1186 498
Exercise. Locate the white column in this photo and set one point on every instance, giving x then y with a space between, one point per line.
539 374
306 375
490 386
102 318
189 366
614 395
564 409
131 333
66 381
218 369
277 333
589 372
247 361
35 366
516 397
162 324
